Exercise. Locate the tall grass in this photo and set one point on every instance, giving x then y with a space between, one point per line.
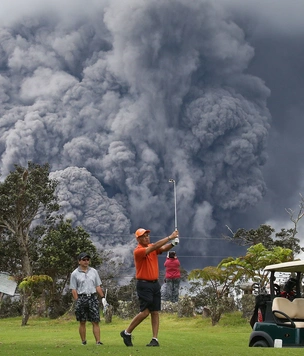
177 336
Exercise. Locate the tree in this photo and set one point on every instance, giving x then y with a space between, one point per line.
266 235
212 286
34 286
25 195
251 237
57 248
287 239
10 261
251 266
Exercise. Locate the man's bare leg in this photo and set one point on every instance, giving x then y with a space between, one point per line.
155 323
96 331
137 320
82 330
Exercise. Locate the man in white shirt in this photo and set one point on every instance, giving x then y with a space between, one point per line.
85 285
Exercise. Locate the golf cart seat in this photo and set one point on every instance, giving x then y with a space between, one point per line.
287 313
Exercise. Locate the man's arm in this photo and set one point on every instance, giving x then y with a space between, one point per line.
73 286
100 291
167 247
74 294
103 298
163 243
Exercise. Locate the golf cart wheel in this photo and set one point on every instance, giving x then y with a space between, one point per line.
260 343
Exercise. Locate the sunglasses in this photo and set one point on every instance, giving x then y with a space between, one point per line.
85 259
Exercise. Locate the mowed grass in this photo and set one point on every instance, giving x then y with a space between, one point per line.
177 336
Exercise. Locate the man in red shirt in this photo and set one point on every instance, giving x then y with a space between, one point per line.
148 287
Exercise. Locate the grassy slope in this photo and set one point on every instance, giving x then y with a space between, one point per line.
177 336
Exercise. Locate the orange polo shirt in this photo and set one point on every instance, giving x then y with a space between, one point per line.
146 266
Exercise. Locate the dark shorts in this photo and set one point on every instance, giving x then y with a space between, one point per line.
87 308
149 295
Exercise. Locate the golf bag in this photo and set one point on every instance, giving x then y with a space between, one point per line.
260 308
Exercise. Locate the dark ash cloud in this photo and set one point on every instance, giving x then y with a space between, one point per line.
119 97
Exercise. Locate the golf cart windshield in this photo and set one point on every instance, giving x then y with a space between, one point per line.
295 268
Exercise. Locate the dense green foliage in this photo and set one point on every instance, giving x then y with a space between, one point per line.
37 241
25 195
57 250
267 236
251 266
213 285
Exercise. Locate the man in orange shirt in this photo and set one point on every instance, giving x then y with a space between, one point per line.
148 287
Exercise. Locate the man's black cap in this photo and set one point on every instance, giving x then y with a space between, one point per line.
83 255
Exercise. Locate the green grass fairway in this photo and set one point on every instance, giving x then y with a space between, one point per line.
177 337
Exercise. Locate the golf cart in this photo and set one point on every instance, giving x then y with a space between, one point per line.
280 313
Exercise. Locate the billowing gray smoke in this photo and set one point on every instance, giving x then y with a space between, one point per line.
125 95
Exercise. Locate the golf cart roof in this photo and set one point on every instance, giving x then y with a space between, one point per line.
293 266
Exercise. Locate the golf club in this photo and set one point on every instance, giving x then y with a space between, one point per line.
107 305
175 210
175 214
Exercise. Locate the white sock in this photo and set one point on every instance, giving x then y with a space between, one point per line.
155 338
127 333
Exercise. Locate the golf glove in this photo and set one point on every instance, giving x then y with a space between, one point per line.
175 241
104 302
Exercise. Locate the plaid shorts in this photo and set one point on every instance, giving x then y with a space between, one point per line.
87 308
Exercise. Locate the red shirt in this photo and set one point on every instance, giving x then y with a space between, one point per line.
172 268
146 265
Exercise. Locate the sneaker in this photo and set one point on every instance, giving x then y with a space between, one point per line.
153 342
126 338
99 343
84 342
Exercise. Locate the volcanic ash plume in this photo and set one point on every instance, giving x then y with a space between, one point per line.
127 94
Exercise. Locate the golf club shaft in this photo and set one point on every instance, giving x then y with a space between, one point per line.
175 208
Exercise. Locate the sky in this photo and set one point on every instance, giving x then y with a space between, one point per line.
121 96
